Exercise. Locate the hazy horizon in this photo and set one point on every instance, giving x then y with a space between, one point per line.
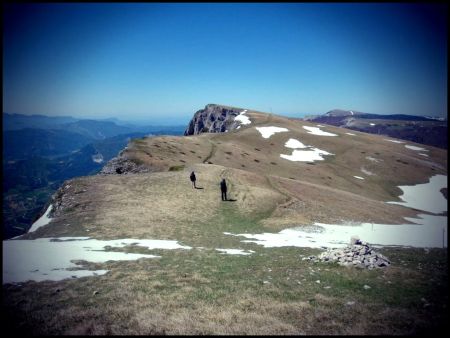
149 120
164 62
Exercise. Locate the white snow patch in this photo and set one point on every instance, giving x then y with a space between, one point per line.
43 220
310 155
426 196
428 232
242 118
50 258
317 131
351 134
319 125
423 155
372 159
236 251
97 158
359 177
415 148
367 172
315 154
266 132
394 141
372 124
351 112
294 144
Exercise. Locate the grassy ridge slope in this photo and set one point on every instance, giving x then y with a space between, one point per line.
271 291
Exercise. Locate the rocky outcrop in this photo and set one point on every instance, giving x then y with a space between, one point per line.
213 119
358 254
63 198
122 166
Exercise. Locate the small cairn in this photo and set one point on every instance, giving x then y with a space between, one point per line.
358 254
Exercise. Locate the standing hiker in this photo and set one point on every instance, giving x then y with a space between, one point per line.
193 178
223 189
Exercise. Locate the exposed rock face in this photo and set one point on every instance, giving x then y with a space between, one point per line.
213 119
358 254
63 198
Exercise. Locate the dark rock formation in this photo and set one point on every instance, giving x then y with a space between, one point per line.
213 119
121 165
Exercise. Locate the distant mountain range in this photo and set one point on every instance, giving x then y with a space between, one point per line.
19 121
421 129
40 152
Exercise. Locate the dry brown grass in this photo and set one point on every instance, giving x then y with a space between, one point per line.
181 294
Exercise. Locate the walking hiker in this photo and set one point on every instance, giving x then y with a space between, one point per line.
193 179
223 189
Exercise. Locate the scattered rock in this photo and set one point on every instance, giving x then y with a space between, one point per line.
350 303
318 281
366 287
96 292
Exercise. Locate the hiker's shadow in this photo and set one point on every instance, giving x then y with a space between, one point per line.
199 188
230 200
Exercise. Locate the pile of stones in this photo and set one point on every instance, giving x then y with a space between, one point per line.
358 254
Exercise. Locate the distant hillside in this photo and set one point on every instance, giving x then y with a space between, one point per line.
29 142
97 130
419 129
20 121
400 117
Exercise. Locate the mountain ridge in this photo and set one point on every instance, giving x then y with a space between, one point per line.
419 129
168 153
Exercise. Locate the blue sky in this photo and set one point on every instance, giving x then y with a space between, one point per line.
163 62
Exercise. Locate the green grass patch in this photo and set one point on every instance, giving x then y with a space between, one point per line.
177 167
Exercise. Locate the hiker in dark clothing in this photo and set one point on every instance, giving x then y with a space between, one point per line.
193 178
223 188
